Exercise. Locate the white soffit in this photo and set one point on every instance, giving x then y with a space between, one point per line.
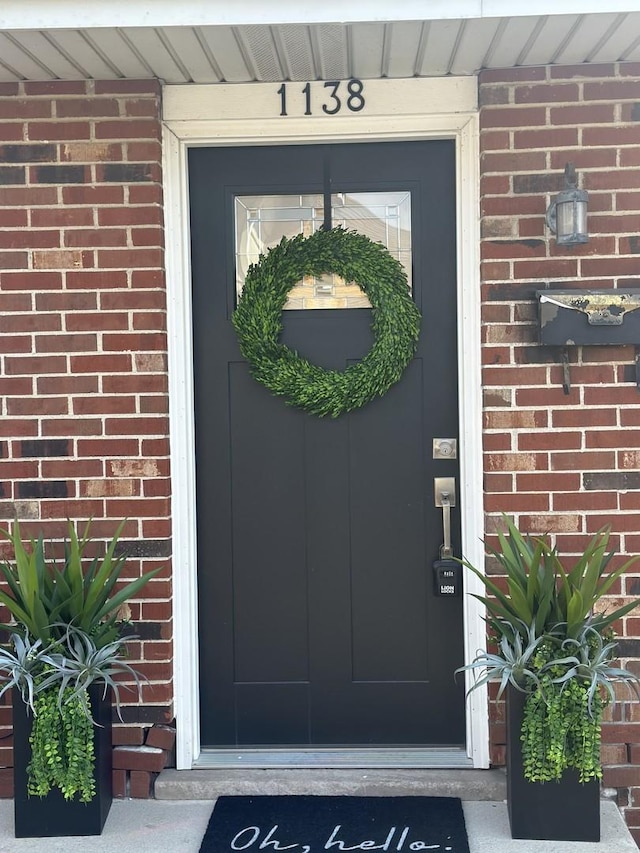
200 41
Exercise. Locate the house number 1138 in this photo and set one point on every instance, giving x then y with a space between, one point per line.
339 95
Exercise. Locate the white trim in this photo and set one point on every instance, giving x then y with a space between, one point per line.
179 135
72 14
240 104
470 413
182 432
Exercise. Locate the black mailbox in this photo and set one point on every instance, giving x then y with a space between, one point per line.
589 317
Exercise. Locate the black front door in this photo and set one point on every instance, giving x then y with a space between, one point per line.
318 620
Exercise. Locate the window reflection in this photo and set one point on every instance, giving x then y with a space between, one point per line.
262 221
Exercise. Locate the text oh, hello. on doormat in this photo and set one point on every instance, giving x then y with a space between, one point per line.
308 824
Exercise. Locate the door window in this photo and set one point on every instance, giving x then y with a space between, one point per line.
262 221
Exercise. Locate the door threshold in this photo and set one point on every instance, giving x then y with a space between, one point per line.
435 758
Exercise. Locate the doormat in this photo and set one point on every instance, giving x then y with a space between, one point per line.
309 824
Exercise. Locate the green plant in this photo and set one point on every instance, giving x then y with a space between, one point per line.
62 750
44 598
554 646
64 637
395 325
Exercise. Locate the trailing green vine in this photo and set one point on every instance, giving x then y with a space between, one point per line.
395 325
62 746
561 725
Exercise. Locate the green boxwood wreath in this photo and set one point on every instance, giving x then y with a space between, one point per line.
395 325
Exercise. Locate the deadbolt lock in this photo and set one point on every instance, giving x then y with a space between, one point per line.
445 448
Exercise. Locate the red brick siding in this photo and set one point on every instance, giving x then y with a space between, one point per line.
563 464
83 365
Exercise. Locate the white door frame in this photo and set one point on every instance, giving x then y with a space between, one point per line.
248 114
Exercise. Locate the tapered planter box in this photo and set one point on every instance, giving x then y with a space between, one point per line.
551 811
39 817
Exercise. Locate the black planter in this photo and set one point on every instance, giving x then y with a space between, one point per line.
551 811
39 817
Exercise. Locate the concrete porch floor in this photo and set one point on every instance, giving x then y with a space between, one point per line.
177 821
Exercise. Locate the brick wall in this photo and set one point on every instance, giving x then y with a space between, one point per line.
565 464
83 384
84 427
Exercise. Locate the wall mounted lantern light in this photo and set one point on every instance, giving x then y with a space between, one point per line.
567 213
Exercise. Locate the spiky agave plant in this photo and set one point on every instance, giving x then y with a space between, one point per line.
22 668
553 646
83 663
511 664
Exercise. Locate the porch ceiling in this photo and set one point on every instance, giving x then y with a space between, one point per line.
264 40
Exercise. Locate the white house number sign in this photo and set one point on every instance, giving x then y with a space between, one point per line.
331 97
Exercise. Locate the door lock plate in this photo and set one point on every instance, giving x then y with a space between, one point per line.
444 491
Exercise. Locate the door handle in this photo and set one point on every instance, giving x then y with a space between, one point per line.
445 496
447 570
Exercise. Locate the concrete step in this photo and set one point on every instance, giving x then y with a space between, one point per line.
207 784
